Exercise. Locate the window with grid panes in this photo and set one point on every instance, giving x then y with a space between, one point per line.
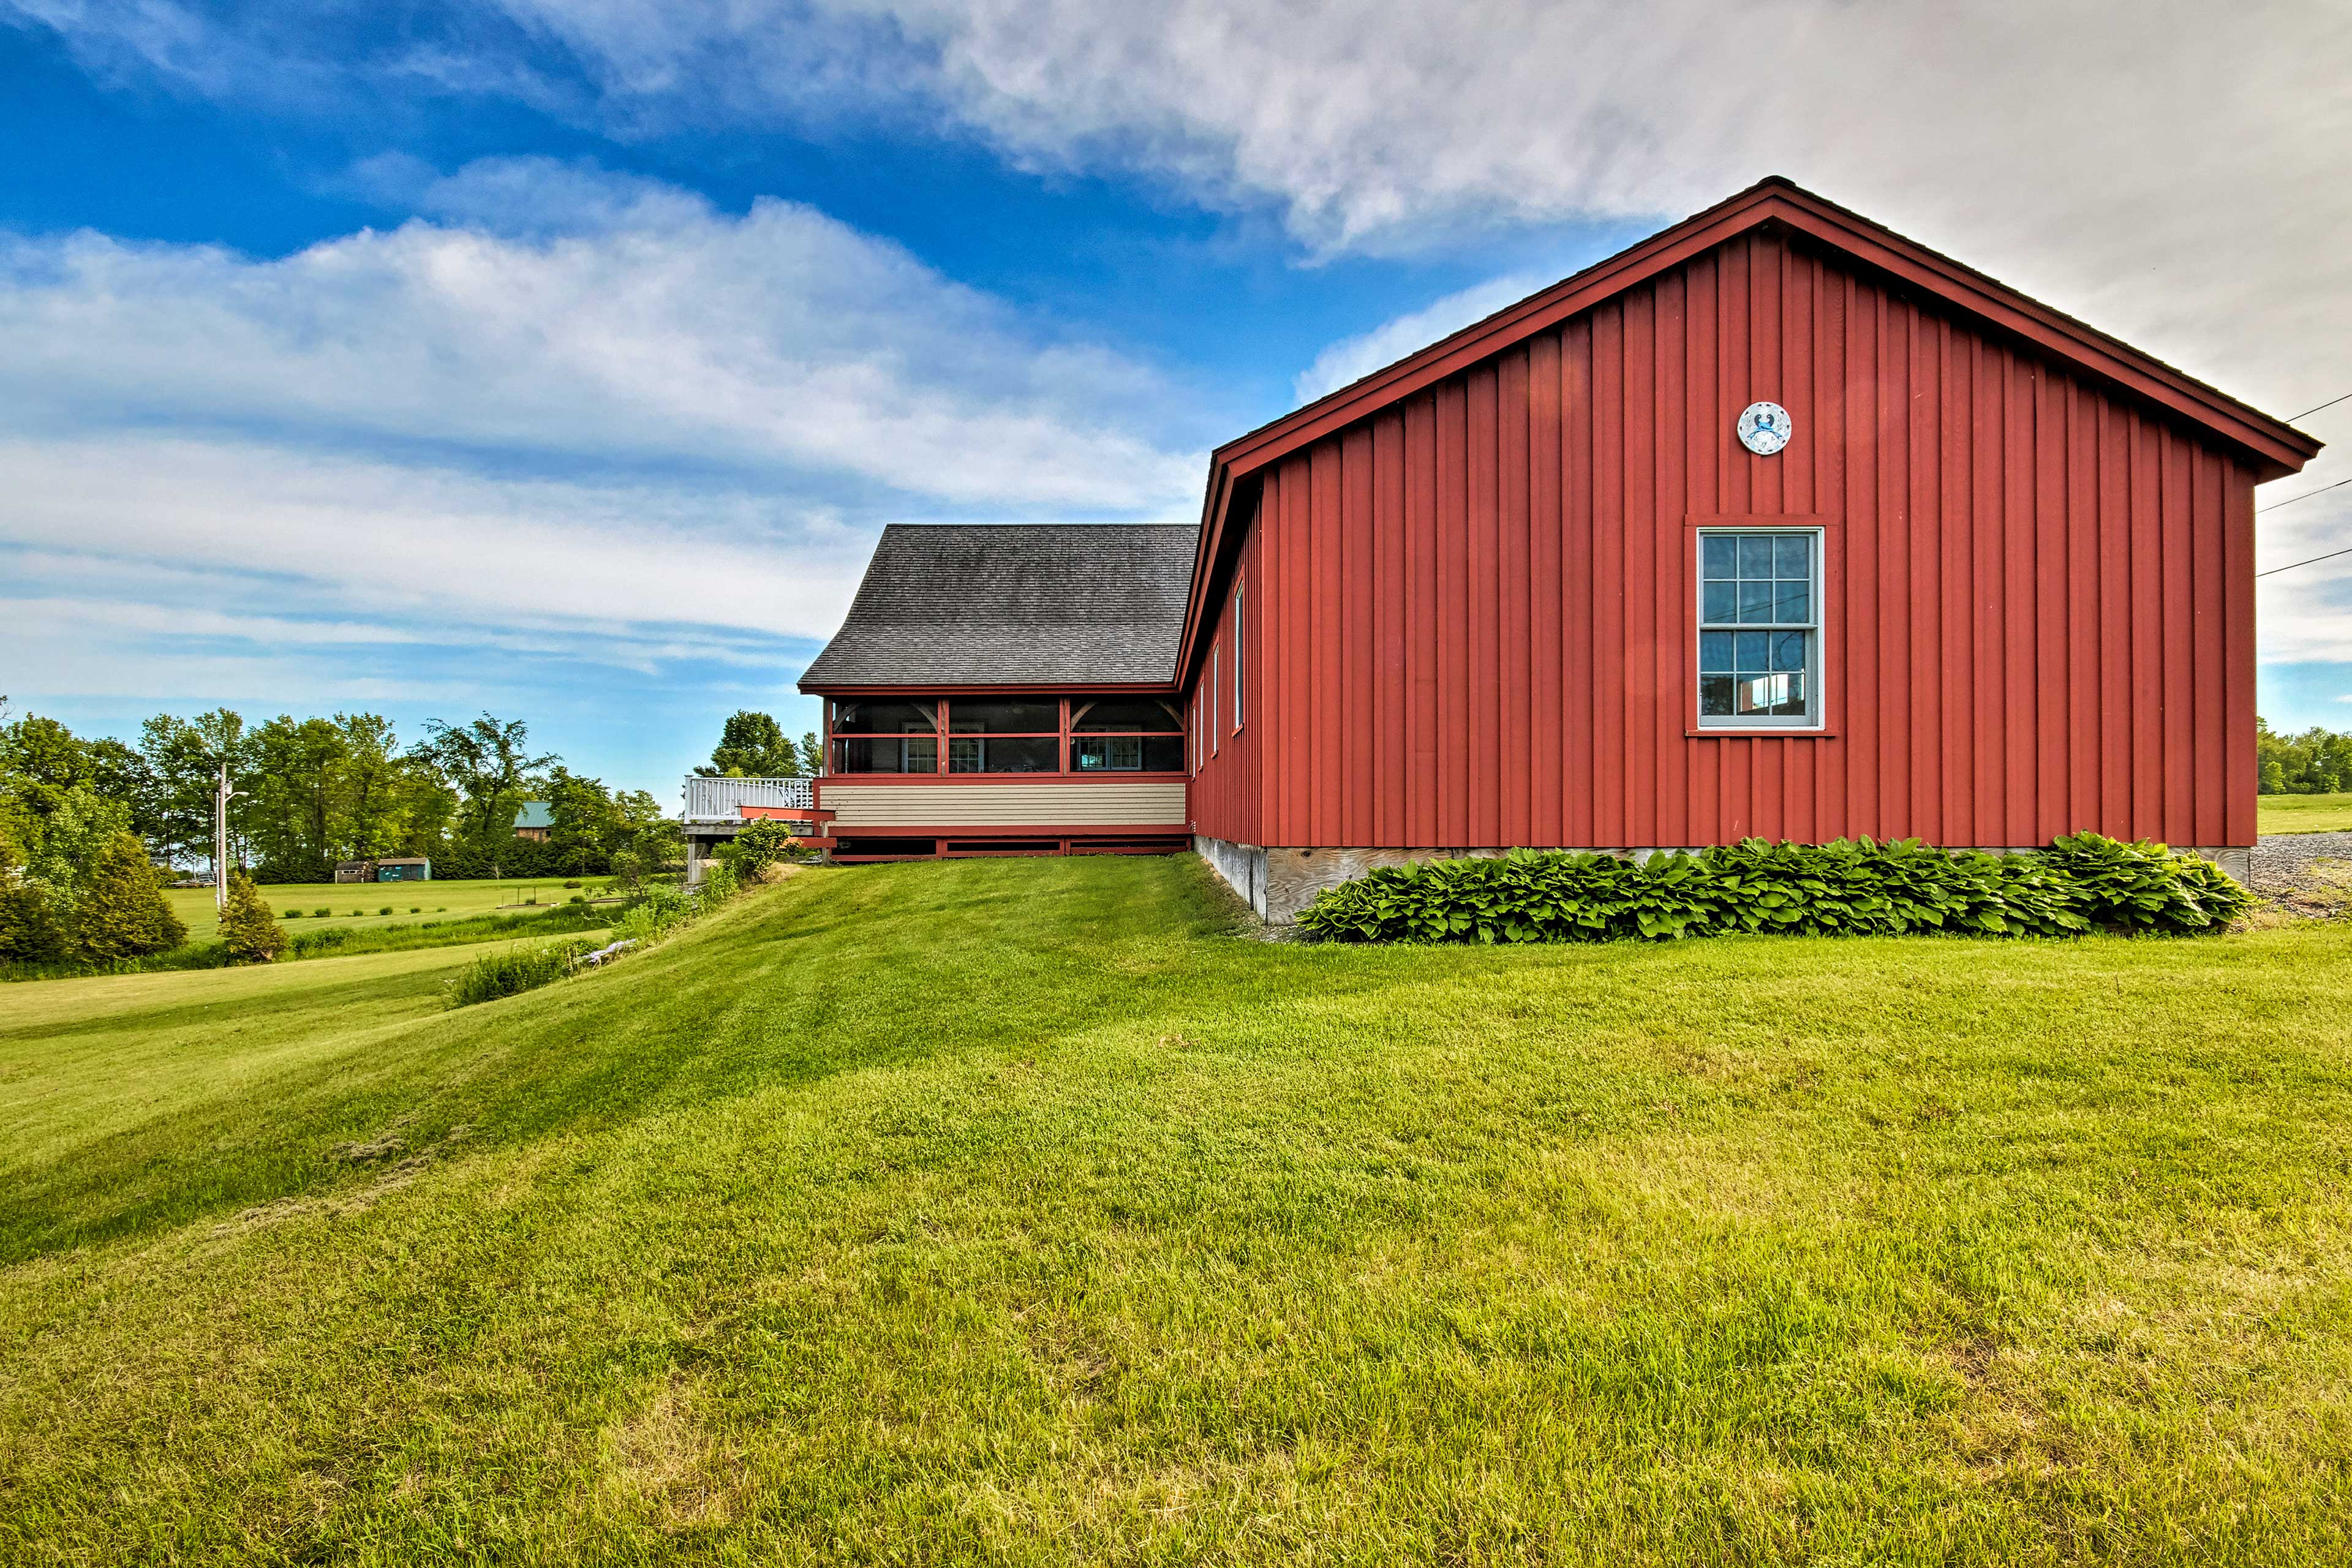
1759 628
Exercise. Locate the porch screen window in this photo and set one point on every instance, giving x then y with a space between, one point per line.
1759 628
1125 735
891 737
1004 735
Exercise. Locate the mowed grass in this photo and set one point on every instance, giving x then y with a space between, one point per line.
1020 1212
446 899
2304 813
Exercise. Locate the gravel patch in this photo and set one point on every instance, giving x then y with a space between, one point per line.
2283 861
2306 876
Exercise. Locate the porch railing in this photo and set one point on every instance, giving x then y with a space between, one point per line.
716 800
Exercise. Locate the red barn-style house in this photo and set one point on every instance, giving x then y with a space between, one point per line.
1776 524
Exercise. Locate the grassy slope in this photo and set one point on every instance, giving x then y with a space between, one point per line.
195 905
1005 1210
2304 813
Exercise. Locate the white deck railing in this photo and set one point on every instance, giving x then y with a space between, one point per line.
715 800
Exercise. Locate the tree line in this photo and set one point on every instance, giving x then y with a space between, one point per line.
2317 761
315 792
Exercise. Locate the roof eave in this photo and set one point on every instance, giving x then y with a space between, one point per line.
971 688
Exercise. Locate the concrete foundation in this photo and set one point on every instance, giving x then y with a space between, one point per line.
2236 864
1243 865
1278 883
702 842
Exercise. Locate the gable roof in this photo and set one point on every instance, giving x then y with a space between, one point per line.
2275 447
1014 604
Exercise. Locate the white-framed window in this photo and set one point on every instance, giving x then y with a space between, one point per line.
1237 659
1216 685
1759 628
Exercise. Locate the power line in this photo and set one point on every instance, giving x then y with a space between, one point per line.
2305 496
2291 566
2329 404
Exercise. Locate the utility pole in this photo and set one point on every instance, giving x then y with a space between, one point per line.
222 795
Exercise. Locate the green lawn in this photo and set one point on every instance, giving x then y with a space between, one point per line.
2304 813
1017 1211
195 905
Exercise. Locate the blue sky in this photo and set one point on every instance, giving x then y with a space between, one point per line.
562 357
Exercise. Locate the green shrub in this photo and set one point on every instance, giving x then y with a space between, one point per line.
416 909
512 972
289 913
719 883
571 882
246 928
1849 888
385 910
321 913
30 932
758 846
659 911
2145 886
121 912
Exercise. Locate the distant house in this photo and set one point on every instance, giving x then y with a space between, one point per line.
535 821
1778 524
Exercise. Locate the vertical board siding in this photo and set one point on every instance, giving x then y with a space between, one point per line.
1228 794
1471 618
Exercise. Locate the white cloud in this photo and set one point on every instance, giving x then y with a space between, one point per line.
1352 359
778 343
413 540
2153 167
569 417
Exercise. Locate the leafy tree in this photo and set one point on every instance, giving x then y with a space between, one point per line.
81 824
121 912
425 806
296 767
649 844
181 758
41 760
247 926
812 759
371 790
119 773
586 823
487 759
751 746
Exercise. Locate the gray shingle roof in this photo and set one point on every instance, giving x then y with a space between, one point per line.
1014 604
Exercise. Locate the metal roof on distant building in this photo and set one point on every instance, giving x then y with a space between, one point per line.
535 814
1014 604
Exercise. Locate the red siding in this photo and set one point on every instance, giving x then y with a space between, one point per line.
1470 613
1225 790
